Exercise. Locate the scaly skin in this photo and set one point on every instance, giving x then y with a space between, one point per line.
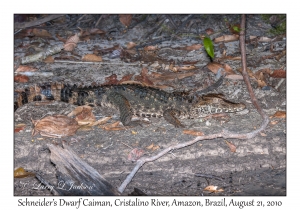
131 100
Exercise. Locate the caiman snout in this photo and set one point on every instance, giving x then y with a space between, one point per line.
211 104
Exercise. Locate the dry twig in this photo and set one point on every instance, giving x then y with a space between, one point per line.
36 22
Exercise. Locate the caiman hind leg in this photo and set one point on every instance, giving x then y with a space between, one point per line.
170 116
120 102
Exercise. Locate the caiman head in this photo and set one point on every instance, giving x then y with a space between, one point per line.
214 103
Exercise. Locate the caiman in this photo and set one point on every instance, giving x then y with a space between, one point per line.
131 100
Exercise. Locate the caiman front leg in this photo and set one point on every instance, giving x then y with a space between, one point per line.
170 116
123 105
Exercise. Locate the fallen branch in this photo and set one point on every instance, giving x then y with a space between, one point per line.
42 55
244 68
224 134
103 62
74 176
36 22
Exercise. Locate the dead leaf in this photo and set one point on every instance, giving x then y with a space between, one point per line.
228 69
250 73
260 77
76 111
209 31
21 173
21 78
71 43
101 121
23 68
55 126
227 38
145 80
143 77
131 51
97 31
69 46
213 189
111 80
228 57
66 57
172 68
190 48
125 55
235 77
278 74
214 67
85 128
27 32
144 71
155 147
278 57
131 45
231 146
61 38
152 147
19 128
263 134
266 71
91 58
194 133
261 83
279 114
112 127
186 68
49 59
150 48
189 62
108 50
84 115
125 19
126 78
86 39
264 39
134 132
83 33
41 32
274 122
135 154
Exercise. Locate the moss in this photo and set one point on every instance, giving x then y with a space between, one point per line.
278 29
266 17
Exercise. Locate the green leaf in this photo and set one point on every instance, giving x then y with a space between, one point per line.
209 47
235 28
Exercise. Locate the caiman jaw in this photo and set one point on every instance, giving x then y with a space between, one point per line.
216 104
